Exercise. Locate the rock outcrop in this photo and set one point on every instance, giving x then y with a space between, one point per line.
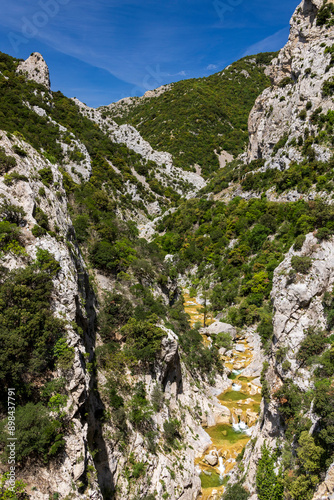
68 291
166 172
35 68
298 75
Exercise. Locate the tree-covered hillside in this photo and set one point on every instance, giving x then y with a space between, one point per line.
197 117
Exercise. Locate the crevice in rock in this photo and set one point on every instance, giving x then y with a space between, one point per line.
93 410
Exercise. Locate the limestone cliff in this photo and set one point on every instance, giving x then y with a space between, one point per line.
281 115
35 68
298 75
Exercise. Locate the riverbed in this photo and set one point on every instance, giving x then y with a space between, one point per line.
243 400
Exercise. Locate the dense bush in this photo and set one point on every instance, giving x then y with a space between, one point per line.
172 431
199 358
325 15
235 492
12 213
6 162
313 345
301 264
116 312
143 339
269 486
38 435
28 329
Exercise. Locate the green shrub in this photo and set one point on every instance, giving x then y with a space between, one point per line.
19 151
81 226
323 233
38 231
116 312
313 345
140 409
157 397
12 213
27 334
9 179
300 240
143 339
64 354
38 435
199 358
301 264
223 340
302 115
328 88
46 262
265 391
46 176
265 329
269 486
325 15
41 218
172 431
113 257
10 236
16 493
236 492
290 400
6 162
286 81
281 143
286 365
114 399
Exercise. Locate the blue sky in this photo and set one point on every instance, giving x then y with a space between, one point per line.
103 50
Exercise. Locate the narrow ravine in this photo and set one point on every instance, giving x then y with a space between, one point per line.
242 399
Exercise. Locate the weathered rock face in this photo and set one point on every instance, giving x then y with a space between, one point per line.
297 306
298 75
65 303
167 173
36 69
193 404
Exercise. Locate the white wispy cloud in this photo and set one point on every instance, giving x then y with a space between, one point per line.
269 44
211 67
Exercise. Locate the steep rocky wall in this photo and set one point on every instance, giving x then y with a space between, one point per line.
67 303
298 74
297 306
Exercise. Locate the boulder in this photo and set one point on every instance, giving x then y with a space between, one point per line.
251 417
218 327
211 459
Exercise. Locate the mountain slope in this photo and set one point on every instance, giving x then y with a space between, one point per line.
194 118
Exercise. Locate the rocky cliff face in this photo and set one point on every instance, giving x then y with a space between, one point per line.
298 75
166 172
67 302
35 68
285 110
298 306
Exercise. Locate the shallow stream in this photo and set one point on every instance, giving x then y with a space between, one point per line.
243 400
